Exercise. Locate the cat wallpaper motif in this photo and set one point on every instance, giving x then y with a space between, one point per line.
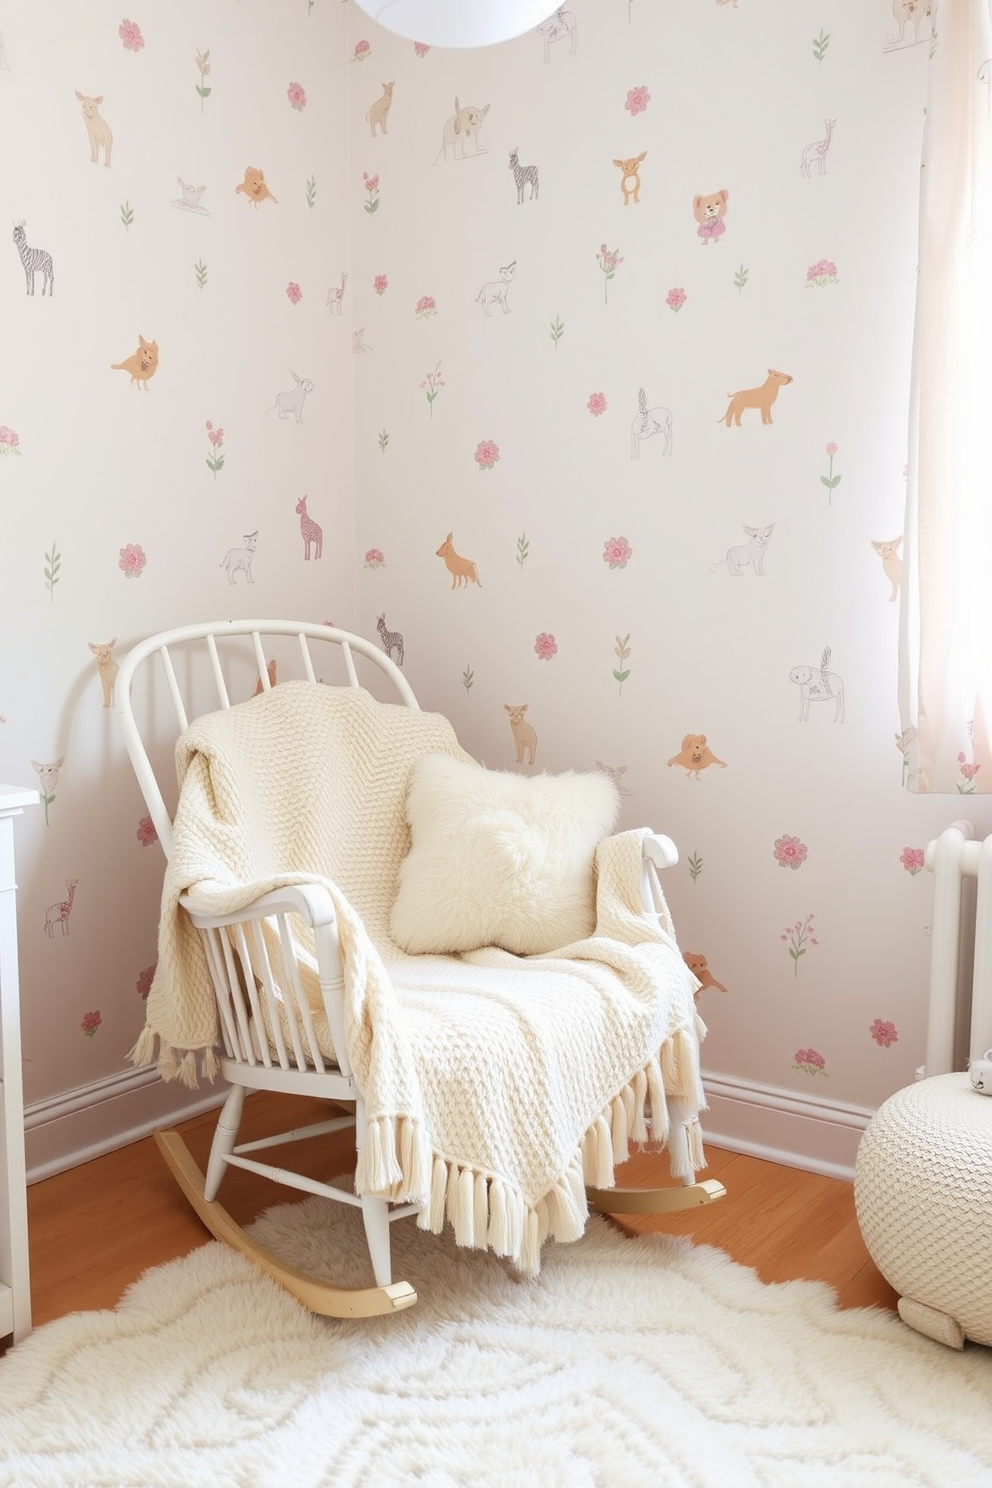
574 371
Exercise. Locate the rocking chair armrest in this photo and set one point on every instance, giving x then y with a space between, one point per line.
311 902
660 850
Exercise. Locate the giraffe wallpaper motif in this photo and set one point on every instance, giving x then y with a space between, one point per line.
574 371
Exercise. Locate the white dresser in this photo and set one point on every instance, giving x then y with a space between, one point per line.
15 1289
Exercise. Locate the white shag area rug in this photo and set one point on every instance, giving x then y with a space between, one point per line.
626 1363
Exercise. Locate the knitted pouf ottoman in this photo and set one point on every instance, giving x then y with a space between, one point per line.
923 1194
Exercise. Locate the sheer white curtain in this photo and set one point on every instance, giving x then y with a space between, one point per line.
945 683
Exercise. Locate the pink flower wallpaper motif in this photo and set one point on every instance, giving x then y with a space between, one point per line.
425 307
800 940
215 457
144 983
609 260
810 1062
371 192
91 1022
637 101
132 561
545 512
431 386
486 454
830 480
146 833
884 1033
966 786
790 852
130 34
617 552
821 273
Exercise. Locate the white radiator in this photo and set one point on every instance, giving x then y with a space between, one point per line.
959 1025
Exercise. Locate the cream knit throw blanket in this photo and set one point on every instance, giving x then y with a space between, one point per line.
495 1086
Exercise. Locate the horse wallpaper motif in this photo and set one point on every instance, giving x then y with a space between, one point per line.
575 371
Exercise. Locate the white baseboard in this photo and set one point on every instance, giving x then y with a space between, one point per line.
80 1124
809 1132
800 1131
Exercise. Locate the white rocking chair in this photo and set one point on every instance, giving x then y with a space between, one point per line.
266 1023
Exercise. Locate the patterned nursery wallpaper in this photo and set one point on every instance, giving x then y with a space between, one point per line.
575 370
176 412
634 299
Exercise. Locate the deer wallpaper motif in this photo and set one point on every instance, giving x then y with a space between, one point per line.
176 402
637 292
574 370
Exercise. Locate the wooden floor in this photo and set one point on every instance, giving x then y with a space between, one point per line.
95 1228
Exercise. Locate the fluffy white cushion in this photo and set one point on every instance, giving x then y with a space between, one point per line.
498 859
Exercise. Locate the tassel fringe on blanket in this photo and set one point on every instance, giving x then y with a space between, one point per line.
554 1101
486 1212
188 1067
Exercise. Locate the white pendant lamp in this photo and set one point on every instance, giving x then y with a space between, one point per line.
458 23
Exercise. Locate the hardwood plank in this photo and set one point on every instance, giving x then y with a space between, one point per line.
95 1228
785 1223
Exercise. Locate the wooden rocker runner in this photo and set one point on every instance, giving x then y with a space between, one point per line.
289 942
343 1302
317 1296
655 1200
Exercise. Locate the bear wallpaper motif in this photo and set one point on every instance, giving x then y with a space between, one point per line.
574 371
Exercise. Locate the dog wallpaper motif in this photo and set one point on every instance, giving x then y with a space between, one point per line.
541 332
